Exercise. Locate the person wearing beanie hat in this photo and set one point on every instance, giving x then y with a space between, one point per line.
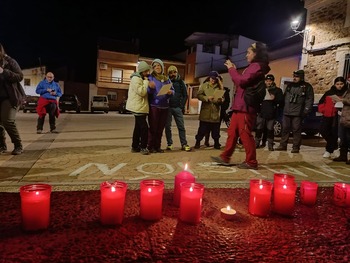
266 117
209 116
298 103
177 104
137 103
143 66
159 105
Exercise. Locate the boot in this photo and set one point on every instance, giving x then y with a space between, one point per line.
217 145
197 145
343 157
270 145
3 146
257 142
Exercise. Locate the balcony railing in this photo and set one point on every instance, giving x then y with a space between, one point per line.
114 80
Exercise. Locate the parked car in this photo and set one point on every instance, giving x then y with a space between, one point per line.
99 103
122 108
30 104
69 102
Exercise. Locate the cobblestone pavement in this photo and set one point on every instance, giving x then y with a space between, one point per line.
92 148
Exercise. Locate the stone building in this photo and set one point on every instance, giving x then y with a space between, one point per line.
326 46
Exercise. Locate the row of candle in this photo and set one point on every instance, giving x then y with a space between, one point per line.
280 195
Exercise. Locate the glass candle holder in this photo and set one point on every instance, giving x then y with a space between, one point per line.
281 178
341 194
284 198
35 206
191 202
308 192
112 202
151 199
260 197
181 177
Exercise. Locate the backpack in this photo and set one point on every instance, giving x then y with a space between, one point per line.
254 96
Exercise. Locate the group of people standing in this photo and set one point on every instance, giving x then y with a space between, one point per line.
155 98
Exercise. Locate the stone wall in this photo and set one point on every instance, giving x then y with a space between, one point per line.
326 23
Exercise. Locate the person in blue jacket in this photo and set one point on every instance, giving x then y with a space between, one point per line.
159 105
49 92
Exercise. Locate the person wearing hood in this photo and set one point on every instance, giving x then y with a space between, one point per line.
177 105
137 103
11 97
159 105
329 124
243 116
298 103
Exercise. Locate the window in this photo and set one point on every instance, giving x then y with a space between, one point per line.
112 95
347 67
117 75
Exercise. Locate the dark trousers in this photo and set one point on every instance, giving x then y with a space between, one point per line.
140 134
329 131
51 110
207 128
291 124
157 118
8 123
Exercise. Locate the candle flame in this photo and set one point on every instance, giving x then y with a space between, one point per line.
344 185
149 190
191 189
37 193
284 186
185 169
228 208
261 186
112 189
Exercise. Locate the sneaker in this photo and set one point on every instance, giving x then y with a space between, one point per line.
219 160
217 146
197 145
186 148
281 148
169 147
135 150
54 131
39 131
3 148
17 151
326 155
245 165
159 150
294 150
144 151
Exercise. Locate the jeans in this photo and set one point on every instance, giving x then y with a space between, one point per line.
140 134
179 120
51 110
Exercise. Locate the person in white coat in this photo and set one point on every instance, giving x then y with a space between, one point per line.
137 103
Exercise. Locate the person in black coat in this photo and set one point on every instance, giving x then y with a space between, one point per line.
268 113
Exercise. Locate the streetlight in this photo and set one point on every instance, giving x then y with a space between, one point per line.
295 25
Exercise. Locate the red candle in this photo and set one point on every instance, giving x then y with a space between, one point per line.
280 178
191 202
181 177
112 202
35 206
284 198
341 195
151 199
308 192
260 197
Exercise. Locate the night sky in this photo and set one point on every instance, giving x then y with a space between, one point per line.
64 33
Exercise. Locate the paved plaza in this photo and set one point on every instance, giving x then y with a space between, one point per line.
92 148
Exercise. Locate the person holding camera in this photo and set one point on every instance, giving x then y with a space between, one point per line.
298 102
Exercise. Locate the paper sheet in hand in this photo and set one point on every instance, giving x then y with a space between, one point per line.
335 98
218 94
164 90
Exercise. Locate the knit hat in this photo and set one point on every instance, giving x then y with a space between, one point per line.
143 66
270 76
172 68
299 73
157 60
213 74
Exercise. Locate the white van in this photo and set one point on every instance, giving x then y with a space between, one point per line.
99 103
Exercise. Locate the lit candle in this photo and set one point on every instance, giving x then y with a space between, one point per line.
181 177
112 202
308 192
341 195
151 199
35 206
260 197
284 198
280 178
228 213
191 202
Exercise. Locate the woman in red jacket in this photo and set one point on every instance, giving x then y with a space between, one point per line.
243 117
